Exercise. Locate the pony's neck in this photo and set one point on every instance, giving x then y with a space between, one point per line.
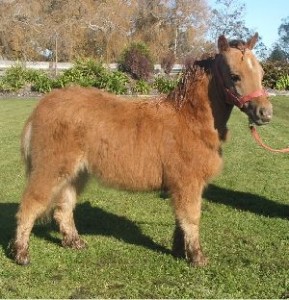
213 103
191 98
220 109
200 97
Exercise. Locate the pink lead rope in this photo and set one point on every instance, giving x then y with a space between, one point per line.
261 143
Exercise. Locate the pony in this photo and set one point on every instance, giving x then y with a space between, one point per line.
172 143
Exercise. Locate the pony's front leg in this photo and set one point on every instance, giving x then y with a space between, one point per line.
187 205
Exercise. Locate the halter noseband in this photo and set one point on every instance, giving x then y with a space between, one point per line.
232 96
239 101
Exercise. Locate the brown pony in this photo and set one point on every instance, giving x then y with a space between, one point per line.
173 143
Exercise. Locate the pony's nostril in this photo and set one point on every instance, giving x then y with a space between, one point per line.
269 116
265 114
262 112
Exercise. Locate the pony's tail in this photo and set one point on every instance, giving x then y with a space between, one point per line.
26 146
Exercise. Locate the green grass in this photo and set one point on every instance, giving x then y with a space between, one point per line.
244 229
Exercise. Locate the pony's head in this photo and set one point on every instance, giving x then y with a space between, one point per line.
240 76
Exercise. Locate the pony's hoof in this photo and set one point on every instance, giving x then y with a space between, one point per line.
76 244
200 261
197 259
18 254
22 260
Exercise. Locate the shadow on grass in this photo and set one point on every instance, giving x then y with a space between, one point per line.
247 202
89 221
96 221
7 223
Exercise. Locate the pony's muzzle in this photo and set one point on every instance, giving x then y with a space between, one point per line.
259 112
265 114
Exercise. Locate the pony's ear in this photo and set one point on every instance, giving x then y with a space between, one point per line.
252 41
223 44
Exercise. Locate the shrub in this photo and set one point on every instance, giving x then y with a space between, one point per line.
283 82
4 86
274 71
117 82
102 78
17 77
141 87
39 80
90 73
137 61
83 73
164 84
14 79
43 83
32 75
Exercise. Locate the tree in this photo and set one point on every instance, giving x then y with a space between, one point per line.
228 18
189 19
171 26
278 54
111 23
283 32
20 25
32 26
100 28
151 26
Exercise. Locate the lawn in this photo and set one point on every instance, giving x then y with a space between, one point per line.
244 228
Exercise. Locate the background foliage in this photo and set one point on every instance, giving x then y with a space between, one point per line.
85 73
274 72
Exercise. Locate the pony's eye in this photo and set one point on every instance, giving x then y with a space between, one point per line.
235 77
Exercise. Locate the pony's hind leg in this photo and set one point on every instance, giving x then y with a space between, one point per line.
186 242
36 200
63 215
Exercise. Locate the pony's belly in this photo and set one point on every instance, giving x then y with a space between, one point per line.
128 176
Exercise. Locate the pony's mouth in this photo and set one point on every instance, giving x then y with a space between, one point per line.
258 122
258 115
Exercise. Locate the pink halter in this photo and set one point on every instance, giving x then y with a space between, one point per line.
239 101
